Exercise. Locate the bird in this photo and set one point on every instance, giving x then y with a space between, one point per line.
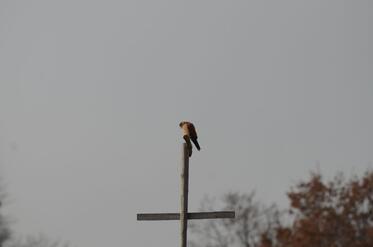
189 134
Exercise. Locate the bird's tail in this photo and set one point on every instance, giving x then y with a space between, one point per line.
196 144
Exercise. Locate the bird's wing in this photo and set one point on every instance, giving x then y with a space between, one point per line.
192 131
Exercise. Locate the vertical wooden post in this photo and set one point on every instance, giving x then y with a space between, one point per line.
184 196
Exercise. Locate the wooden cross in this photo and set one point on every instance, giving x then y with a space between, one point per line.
184 215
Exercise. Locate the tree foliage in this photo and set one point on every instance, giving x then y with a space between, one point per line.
334 214
337 213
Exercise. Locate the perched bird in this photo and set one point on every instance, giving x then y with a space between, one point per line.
189 134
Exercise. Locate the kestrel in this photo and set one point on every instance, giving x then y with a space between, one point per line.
189 134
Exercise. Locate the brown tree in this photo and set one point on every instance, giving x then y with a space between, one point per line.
337 213
334 214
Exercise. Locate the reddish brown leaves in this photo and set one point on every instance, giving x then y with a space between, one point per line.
337 214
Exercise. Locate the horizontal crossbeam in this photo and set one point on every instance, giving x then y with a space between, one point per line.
191 216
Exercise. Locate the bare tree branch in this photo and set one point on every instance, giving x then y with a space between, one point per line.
252 220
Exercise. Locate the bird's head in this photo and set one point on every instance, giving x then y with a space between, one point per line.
181 124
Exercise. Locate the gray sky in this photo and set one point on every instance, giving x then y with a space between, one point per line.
91 94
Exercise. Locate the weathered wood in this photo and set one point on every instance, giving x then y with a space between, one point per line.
191 216
211 215
161 216
184 183
184 215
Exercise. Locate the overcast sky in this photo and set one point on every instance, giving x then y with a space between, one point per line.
91 94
